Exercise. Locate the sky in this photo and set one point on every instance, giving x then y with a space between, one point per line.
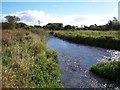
73 13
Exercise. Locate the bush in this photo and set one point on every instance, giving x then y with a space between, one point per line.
109 70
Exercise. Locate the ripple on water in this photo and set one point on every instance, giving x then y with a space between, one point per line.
75 61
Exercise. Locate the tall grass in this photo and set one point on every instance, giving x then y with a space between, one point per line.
109 70
105 39
27 62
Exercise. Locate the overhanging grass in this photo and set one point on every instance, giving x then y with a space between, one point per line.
27 62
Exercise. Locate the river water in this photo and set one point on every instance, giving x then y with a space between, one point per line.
75 61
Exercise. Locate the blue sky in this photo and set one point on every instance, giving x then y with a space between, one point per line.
56 10
64 8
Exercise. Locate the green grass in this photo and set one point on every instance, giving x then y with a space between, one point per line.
105 39
108 70
27 62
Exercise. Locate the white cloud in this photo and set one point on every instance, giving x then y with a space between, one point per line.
31 17
115 8
2 17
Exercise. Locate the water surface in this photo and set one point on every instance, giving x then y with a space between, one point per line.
75 61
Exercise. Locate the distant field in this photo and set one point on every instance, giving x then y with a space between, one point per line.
107 39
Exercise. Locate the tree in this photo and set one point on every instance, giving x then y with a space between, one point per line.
113 24
54 26
109 25
20 25
94 27
115 20
67 27
85 27
12 20
5 25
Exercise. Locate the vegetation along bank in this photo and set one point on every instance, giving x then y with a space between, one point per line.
105 39
108 70
27 62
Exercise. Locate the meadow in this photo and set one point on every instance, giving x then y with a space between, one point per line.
27 62
105 39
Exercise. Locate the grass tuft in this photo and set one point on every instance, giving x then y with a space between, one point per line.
27 62
108 70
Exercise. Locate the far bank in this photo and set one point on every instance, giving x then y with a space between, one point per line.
104 39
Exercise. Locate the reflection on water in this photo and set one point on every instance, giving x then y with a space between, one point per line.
75 61
115 55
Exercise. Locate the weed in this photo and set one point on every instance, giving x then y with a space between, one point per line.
27 62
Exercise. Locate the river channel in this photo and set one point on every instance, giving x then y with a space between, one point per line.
75 61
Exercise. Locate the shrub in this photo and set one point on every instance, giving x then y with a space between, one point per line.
109 70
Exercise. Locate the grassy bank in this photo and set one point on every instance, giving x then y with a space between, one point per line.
105 39
27 62
109 70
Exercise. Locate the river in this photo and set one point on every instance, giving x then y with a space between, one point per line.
75 61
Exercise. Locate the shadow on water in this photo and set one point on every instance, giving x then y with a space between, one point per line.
75 61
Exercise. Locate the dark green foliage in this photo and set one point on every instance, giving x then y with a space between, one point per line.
5 25
67 27
21 25
54 26
108 40
109 70
12 19
12 23
95 27
37 26
46 74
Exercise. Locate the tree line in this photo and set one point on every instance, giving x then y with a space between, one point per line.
13 22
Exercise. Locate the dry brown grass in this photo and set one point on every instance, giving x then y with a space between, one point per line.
9 36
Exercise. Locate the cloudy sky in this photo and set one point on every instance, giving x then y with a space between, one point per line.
73 13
